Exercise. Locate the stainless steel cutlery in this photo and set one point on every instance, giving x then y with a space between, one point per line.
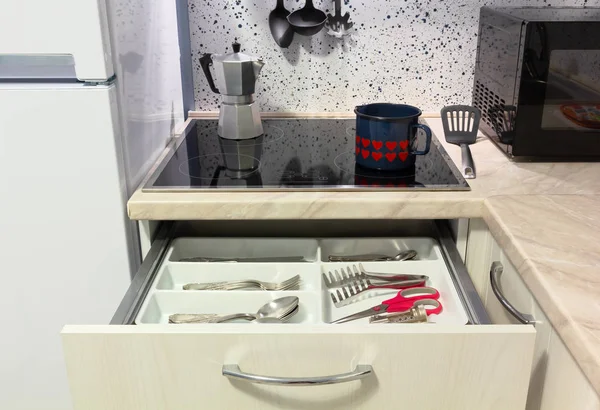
292 283
345 295
345 285
400 256
348 275
282 309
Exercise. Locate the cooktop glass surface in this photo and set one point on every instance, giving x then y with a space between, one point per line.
292 154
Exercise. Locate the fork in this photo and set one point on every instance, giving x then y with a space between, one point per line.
292 283
345 295
333 279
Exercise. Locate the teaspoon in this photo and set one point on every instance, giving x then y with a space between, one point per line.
279 309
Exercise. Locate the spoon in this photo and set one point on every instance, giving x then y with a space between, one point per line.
400 256
281 30
284 319
278 308
405 255
281 309
307 21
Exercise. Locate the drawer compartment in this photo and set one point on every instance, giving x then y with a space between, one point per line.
184 248
414 367
161 305
453 311
174 275
425 247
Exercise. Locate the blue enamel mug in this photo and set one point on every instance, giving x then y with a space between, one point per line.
386 136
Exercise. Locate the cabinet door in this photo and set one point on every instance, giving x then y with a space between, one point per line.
516 292
565 385
482 252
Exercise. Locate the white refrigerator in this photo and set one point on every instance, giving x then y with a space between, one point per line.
90 93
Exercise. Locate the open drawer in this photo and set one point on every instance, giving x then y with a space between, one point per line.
307 365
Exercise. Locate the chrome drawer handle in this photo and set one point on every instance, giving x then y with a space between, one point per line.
361 371
496 270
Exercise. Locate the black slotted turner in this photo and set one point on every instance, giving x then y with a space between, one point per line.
461 123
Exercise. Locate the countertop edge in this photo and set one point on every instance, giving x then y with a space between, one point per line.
277 206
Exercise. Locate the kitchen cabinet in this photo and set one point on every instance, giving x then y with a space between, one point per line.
162 366
556 380
565 385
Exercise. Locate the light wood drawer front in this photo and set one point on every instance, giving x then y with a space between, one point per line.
415 366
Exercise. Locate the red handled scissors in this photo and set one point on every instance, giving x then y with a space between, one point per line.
404 300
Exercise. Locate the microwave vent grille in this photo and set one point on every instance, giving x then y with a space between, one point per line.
487 101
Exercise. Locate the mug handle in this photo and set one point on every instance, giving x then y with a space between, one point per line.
428 141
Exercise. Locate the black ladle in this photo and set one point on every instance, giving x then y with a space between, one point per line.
307 21
281 30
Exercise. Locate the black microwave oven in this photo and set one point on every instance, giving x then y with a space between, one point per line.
537 81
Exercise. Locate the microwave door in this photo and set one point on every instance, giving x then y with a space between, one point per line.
559 91
572 100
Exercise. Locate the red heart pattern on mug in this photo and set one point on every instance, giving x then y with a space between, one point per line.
391 145
362 143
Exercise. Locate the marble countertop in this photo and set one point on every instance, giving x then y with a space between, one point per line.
546 217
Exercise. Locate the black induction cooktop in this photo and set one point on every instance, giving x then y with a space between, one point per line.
292 154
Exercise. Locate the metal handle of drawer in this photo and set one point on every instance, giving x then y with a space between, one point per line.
495 271
361 371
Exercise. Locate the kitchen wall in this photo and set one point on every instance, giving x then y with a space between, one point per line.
420 52
145 47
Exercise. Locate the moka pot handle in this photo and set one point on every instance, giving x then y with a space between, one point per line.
205 63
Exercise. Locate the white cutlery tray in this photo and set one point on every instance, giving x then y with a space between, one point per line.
167 296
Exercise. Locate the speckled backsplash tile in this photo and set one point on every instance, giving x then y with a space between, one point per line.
404 51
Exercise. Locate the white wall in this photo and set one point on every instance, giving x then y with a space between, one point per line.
146 54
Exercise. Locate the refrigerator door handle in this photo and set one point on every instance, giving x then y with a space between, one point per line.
36 67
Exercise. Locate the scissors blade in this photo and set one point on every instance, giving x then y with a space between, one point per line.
359 315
